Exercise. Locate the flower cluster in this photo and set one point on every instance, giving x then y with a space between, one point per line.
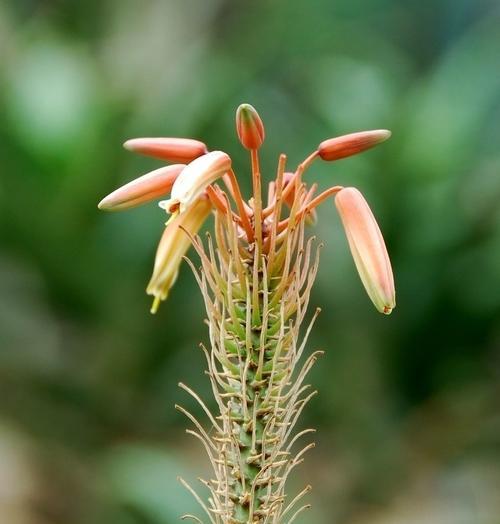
255 277
191 182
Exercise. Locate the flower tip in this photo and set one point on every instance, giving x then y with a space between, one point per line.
155 305
249 127
388 310
129 144
385 134
103 205
351 144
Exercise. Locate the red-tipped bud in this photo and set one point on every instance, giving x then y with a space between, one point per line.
249 127
352 144
182 150
368 248
151 186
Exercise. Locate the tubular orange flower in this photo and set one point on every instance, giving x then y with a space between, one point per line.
352 144
368 248
173 246
155 184
182 150
249 127
194 179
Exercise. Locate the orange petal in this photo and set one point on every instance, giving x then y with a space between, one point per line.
348 145
182 150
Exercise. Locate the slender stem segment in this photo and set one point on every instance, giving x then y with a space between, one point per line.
257 195
240 204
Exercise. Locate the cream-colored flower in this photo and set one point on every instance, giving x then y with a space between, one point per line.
173 246
367 248
194 179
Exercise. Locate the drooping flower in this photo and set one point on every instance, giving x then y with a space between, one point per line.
249 127
153 185
368 248
178 150
194 179
173 245
352 144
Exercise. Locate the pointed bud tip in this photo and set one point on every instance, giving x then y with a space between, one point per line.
249 127
129 144
102 205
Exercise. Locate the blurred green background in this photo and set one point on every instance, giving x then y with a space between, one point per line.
408 412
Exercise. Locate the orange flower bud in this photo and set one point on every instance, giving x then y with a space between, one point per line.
194 179
173 246
249 127
368 248
182 150
352 144
155 184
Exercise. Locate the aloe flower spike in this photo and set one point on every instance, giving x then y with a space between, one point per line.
256 274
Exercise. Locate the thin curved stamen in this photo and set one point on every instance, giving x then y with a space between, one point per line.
257 194
289 187
240 204
216 200
310 206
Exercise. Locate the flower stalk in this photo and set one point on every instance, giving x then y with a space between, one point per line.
256 275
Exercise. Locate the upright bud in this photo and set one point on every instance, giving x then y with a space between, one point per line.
194 179
368 248
173 246
352 144
182 150
249 127
151 186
